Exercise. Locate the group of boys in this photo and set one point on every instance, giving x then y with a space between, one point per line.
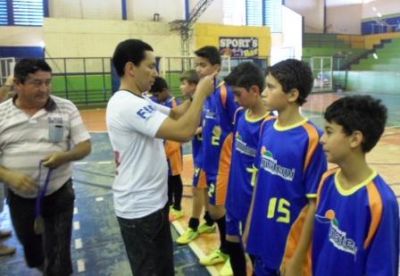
263 166
260 170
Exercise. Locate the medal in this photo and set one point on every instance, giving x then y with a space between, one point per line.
38 225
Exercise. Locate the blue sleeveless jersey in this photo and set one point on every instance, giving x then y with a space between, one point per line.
290 162
240 188
356 232
219 110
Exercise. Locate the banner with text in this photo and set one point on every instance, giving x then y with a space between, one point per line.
238 46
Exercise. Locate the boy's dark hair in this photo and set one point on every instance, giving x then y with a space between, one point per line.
190 76
24 67
159 85
293 74
132 50
362 113
245 75
211 53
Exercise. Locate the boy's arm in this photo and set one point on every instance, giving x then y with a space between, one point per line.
314 169
245 235
383 256
171 147
6 88
296 263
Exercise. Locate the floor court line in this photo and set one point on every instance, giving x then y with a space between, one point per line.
81 265
78 243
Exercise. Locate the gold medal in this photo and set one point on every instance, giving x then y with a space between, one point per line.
38 225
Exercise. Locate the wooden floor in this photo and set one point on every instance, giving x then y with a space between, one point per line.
385 158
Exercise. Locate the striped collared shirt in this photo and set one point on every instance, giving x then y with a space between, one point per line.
25 140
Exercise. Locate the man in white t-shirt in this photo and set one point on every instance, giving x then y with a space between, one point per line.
136 127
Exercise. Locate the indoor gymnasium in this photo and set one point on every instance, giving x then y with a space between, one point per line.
351 48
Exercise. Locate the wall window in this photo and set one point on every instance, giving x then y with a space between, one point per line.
22 12
254 13
234 12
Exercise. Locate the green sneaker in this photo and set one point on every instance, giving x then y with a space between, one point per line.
215 257
175 214
226 269
204 228
187 236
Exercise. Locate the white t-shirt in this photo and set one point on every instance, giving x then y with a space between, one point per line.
140 186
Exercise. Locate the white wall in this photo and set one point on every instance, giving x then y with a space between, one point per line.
21 36
85 9
344 19
312 11
98 38
143 10
213 14
385 7
139 10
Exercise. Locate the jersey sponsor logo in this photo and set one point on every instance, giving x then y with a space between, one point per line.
210 115
241 146
269 164
337 236
145 112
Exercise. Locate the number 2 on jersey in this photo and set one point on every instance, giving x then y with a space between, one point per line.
278 208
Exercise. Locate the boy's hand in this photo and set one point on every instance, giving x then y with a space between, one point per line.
9 81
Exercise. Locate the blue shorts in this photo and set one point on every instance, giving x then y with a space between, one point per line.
261 270
234 226
199 178
217 189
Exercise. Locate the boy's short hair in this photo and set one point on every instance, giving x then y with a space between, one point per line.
132 50
293 74
27 66
211 53
245 75
190 76
159 85
363 113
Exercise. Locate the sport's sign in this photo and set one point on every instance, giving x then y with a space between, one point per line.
238 46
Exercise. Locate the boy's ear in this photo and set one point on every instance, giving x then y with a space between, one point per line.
255 89
293 95
217 68
356 138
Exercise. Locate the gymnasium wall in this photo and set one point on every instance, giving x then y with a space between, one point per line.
98 38
141 10
385 7
344 19
209 34
21 36
85 9
312 11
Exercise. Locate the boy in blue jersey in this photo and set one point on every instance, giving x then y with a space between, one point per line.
290 162
356 225
247 81
189 80
173 151
219 110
